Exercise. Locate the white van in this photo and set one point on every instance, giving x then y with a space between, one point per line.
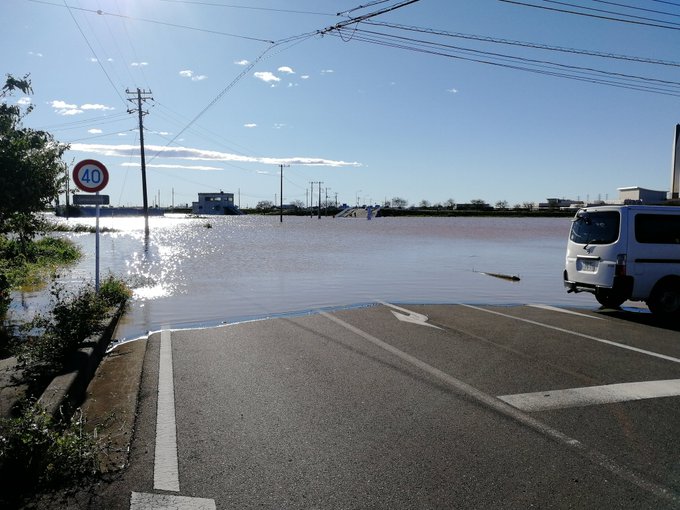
626 252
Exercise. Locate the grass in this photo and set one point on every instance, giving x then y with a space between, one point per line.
39 453
30 264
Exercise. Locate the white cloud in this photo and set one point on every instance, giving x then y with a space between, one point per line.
139 64
35 53
122 134
266 76
250 125
125 151
188 73
64 108
327 71
285 69
101 107
58 104
305 77
24 101
243 62
94 131
175 167
92 59
452 91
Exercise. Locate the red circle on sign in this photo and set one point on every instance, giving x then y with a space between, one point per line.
90 175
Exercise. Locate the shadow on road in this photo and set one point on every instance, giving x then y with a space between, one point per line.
643 317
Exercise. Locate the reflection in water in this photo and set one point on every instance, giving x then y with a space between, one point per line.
184 274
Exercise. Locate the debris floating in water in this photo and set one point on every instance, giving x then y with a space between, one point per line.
510 278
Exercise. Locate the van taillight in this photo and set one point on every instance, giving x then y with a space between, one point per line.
620 269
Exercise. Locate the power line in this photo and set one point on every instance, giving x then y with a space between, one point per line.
230 6
357 35
157 22
525 44
527 60
592 9
608 18
365 17
94 53
635 8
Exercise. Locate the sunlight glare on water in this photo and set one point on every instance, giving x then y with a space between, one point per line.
187 274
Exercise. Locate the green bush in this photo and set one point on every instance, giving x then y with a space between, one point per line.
38 453
114 291
75 316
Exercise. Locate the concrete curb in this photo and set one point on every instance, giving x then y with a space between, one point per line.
67 390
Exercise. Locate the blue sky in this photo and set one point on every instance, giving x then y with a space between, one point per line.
369 120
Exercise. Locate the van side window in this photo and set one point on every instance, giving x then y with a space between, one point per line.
600 227
657 228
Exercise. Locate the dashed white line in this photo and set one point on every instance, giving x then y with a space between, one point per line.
166 471
517 415
143 501
563 310
574 333
593 395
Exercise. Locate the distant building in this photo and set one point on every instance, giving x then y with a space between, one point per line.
637 195
215 203
559 204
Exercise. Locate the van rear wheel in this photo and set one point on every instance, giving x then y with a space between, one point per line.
664 300
609 299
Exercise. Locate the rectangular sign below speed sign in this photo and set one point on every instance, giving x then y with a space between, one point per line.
91 199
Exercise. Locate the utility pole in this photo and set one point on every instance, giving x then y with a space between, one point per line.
325 206
311 200
319 183
281 210
142 95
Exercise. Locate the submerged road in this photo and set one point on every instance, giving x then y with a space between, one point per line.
449 406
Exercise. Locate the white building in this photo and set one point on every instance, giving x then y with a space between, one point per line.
638 195
215 203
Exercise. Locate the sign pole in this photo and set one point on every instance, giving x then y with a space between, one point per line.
96 249
92 176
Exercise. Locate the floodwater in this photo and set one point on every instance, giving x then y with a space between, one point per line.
194 272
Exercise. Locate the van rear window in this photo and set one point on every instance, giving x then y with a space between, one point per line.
595 227
657 228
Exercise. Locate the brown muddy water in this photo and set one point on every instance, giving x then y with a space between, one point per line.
187 274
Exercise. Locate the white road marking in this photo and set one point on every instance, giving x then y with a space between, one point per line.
409 316
592 395
166 471
562 310
143 501
582 335
517 415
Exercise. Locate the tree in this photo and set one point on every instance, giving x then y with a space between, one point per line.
399 202
264 205
450 203
31 170
424 204
502 204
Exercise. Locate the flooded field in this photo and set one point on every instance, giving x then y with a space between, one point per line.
203 271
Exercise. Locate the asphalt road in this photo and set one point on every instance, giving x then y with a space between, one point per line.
410 407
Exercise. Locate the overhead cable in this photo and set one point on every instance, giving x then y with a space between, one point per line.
495 40
157 22
607 18
94 53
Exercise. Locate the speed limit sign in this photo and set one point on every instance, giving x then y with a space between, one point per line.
90 175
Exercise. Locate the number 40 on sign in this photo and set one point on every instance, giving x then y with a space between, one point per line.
90 175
